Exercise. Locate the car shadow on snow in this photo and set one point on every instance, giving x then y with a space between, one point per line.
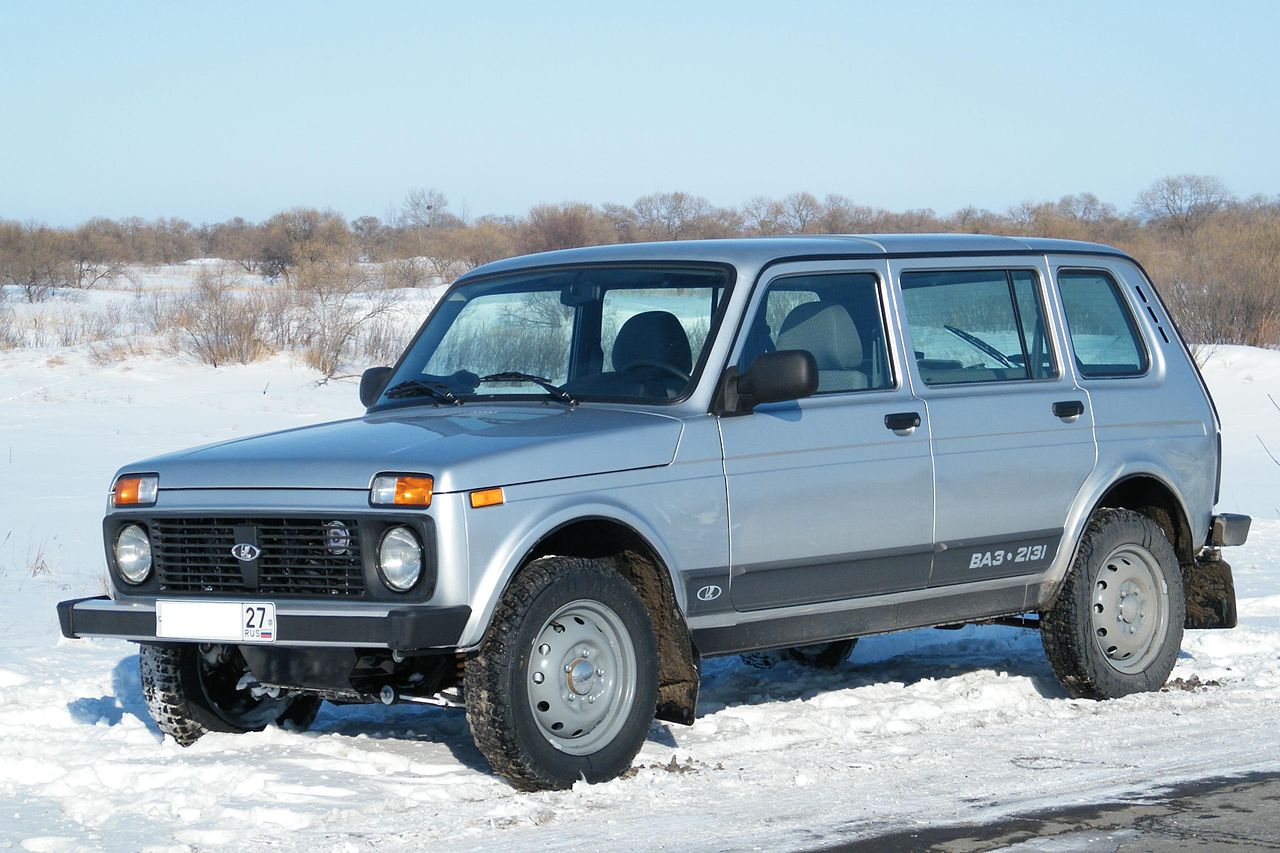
126 700
405 722
905 658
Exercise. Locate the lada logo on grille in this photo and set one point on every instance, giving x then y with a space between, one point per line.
244 552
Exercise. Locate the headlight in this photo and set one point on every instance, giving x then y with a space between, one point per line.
133 554
400 559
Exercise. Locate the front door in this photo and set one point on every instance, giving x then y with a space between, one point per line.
827 500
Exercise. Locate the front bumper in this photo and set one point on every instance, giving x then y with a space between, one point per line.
298 623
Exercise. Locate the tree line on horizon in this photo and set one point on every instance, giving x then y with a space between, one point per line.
1215 256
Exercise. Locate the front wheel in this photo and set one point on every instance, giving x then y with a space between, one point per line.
564 684
1116 625
192 690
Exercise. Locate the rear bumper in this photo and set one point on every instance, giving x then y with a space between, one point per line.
298 623
1229 529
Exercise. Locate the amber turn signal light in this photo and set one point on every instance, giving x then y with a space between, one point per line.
135 490
487 497
401 490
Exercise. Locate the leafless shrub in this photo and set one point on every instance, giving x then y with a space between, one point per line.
219 324
116 351
11 336
69 329
381 341
340 298
283 320
405 273
38 561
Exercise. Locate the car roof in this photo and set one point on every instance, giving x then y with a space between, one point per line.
757 251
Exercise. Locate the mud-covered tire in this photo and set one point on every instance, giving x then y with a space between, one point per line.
178 696
1115 627
518 682
816 656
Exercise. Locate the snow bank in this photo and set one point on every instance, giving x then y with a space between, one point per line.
918 728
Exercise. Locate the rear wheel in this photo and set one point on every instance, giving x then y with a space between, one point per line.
195 689
1116 625
564 684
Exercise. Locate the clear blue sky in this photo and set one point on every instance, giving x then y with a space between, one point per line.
211 110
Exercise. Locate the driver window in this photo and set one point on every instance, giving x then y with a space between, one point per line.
977 326
834 316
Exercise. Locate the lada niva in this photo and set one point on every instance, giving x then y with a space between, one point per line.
593 467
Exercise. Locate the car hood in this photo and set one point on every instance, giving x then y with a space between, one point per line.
463 448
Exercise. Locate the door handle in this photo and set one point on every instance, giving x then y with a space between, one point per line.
1068 408
902 421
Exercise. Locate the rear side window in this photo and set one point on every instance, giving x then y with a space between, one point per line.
977 326
834 316
1103 334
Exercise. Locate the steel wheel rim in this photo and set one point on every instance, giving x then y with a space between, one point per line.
1130 609
221 670
581 677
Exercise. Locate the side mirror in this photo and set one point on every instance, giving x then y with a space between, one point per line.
772 378
372 383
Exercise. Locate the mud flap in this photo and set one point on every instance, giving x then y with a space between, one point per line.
1210 592
677 698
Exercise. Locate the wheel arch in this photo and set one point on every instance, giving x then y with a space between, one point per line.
1155 498
635 556
1147 493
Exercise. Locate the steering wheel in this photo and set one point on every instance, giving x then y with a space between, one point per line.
661 367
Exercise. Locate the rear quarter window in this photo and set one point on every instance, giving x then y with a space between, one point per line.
1103 333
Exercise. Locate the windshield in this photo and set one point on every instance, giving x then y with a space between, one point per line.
610 333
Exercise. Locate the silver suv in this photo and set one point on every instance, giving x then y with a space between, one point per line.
593 467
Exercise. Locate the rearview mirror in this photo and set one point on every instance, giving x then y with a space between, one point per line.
772 378
372 382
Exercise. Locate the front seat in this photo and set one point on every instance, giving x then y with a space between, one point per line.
650 358
827 331
653 348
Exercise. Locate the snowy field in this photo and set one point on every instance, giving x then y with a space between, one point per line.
916 729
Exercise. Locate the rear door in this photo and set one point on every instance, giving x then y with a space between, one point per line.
1012 433
826 501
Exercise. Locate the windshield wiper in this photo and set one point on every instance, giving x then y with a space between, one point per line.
556 392
423 388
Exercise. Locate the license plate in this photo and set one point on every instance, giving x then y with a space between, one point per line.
221 621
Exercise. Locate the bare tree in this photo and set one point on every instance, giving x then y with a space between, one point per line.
1183 202
763 217
96 253
369 236
34 257
427 208
673 216
841 216
801 213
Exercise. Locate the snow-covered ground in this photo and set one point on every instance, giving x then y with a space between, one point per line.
916 729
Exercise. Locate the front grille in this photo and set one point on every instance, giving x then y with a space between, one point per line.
193 555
